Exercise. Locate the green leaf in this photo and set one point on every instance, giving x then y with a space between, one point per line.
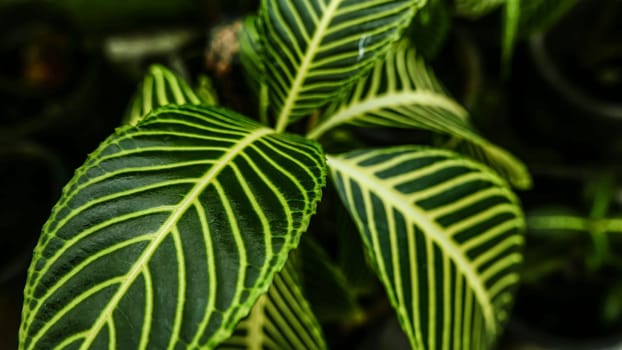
160 87
403 92
251 54
314 50
280 319
476 8
511 20
169 233
205 90
444 235
430 28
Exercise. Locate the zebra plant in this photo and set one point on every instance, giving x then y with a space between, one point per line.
176 231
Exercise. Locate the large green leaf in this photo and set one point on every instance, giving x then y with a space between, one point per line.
169 233
281 319
444 235
403 92
314 50
161 87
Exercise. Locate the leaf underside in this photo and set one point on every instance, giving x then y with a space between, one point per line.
313 50
402 92
444 234
281 319
169 233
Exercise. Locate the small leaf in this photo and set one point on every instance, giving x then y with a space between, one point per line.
160 87
281 319
430 28
403 92
169 233
251 57
313 50
251 53
205 90
444 234
511 20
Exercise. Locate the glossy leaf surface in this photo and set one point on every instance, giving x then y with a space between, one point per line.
169 233
444 234
403 92
281 318
315 49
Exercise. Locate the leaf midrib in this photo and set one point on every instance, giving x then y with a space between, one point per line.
431 228
166 229
388 100
310 52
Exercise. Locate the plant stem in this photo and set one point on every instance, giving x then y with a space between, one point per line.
558 222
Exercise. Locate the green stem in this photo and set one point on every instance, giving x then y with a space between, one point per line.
558 222
614 225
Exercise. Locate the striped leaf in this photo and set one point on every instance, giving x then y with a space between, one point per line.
403 92
169 233
539 15
251 53
161 87
281 319
444 234
430 28
251 57
314 50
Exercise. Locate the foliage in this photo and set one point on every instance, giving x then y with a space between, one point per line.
180 230
520 17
